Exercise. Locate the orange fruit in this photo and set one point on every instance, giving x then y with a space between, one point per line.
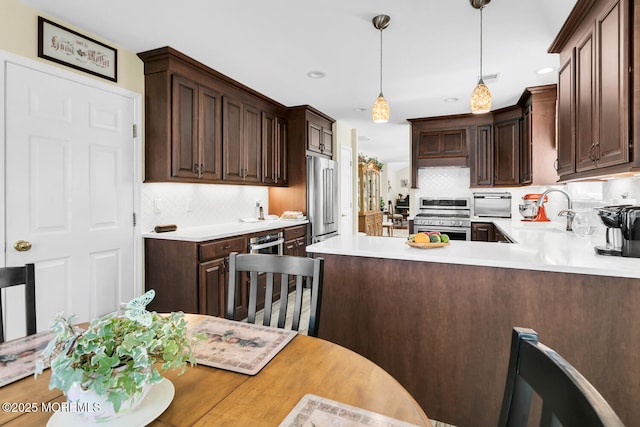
421 238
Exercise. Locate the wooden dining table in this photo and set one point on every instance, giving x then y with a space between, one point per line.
206 396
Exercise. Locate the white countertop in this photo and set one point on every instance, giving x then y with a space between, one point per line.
539 246
219 231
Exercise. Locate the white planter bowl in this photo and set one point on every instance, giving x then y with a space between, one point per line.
96 408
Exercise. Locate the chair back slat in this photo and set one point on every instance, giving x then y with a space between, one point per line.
568 398
303 269
23 275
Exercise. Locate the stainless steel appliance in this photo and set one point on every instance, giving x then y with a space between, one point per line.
494 205
322 198
611 217
270 242
451 216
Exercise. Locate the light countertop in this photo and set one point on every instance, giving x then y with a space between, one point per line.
219 231
539 246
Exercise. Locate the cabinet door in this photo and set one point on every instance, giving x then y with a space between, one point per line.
506 154
450 143
428 145
586 118
612 76
252 144
210 133
482 232
453 143
232 131
526 139
314 137
184 128
269 148
212 283
566 141
283 147
327 142
484 155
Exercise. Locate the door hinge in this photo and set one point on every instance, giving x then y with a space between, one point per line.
135 130
135 219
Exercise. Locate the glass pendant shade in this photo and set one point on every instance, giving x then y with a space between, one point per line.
380 110
480 99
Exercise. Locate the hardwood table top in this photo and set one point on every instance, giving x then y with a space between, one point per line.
206 396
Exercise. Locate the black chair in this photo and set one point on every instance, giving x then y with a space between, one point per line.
567 397
309 270
25 275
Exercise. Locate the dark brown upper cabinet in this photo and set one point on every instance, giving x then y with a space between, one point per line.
598 68
319 134
512 146
202 126
274 149
242 143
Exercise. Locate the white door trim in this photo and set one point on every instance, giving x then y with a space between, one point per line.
7 57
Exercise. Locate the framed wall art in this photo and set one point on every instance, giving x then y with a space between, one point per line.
64 46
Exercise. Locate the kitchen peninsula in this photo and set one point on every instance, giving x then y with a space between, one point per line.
439 320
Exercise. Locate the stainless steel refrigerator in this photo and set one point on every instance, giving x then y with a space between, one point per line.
322 198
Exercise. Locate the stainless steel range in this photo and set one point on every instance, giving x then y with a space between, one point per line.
451 216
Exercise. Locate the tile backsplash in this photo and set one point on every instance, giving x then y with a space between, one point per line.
454 182
192 205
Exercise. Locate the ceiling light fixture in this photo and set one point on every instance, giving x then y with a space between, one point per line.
380 110
545 70
481 97
315 74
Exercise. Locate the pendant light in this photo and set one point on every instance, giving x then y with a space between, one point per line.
380 110
481 97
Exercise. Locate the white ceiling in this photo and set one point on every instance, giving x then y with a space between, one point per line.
430 51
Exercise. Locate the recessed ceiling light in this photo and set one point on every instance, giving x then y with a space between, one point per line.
451 99
359 109
316 74
545 70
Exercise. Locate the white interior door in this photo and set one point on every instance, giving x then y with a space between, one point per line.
346 193
69 188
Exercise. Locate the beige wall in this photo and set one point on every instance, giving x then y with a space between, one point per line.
19 35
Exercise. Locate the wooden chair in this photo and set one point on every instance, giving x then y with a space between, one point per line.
302 268
388 224
25 275
567 397
396 218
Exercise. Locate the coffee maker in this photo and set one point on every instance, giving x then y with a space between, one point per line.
611 217
630 226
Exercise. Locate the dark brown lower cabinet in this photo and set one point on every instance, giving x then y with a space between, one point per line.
192 276
482 232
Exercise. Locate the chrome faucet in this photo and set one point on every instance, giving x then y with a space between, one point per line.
569 212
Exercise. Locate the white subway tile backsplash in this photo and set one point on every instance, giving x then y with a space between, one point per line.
192 205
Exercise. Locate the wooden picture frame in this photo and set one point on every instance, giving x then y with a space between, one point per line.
67 47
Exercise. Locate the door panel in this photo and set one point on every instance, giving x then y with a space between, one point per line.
69 159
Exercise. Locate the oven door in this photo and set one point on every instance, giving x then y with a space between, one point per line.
454 233
271 244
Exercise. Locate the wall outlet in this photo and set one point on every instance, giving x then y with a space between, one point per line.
258 203
157 206
189 206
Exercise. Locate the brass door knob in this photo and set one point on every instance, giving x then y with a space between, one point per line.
22 245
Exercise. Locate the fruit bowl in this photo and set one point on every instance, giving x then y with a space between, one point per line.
426 245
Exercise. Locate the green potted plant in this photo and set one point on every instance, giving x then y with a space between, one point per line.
110 366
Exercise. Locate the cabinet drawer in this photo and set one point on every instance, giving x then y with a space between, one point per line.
222 248
294 232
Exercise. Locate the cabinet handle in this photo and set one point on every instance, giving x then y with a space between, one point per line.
225 247
201 170
597 150
591 156
196 170
555 165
